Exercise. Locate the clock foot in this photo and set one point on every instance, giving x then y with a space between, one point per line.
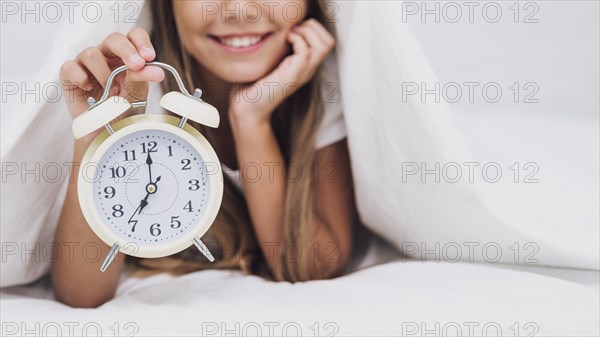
110 257
203 249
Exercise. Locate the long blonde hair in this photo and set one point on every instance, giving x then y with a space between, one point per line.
294 123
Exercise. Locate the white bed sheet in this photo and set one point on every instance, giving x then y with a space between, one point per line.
398 297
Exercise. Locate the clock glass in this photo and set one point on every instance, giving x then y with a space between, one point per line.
151 187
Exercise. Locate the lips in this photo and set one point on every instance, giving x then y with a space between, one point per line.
240 41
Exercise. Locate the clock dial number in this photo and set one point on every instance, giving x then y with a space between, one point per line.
186 164
150 146
188 206
129 155
118 172
110 192
194 185
134 222
155 229
174 222
117 211
170 151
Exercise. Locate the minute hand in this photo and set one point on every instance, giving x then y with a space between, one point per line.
149 163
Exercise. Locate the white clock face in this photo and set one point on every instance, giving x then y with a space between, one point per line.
151 188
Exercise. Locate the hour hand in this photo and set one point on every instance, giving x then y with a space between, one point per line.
137 210
143 204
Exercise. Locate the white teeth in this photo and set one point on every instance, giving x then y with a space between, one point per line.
241 42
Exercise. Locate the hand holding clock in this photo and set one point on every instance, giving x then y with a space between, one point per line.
78 282
87 74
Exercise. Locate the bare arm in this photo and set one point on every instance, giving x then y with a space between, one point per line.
76 276
334 199
256 144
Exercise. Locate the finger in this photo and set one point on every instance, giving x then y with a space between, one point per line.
318 47
299 44
73 75
95 62
118 45
135 84
294 65
323 33
141 41
147 74
290 70
311 37
309 31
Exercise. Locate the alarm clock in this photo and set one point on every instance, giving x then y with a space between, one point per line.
149 185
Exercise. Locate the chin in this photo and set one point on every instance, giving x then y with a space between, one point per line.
243 72
243 75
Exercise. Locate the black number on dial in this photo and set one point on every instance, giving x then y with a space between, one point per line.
117 211
195 185
186 164
134 222
150 146
127 156
155 229
175 223
118 172
188 206
110 192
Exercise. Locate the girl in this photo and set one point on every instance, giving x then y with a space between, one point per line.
263 65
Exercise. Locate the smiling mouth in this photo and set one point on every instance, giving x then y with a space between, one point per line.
240 41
